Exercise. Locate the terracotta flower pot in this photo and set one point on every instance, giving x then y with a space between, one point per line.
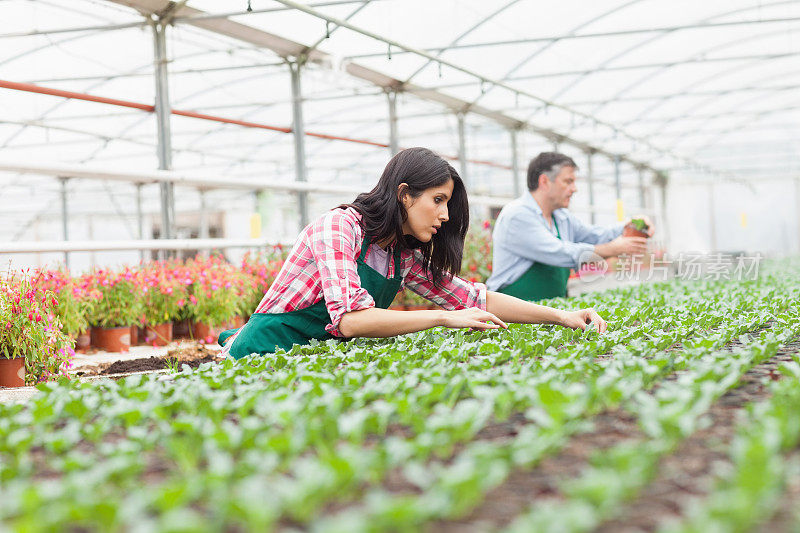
158 335
12 372
209 335
205 333
112 339
134 335
83 341
630 231
181 329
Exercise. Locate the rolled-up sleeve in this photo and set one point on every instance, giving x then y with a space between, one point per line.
452 292
335 247
533 242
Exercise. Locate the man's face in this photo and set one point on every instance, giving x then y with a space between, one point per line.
562 188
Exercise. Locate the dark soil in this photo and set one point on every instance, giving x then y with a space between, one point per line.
522 487
193 355
688 465
689 472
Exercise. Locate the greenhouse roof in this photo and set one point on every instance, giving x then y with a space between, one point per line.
707 89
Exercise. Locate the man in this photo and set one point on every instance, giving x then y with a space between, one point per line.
537 240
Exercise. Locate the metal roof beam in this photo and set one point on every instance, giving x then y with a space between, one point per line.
639 66
95 28
568 37
150 74
287 48
212 16
556 137
690 94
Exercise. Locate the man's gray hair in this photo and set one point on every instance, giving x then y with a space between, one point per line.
548 163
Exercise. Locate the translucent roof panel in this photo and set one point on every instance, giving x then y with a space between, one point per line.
699 90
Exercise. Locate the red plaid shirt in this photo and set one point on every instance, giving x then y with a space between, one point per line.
322 264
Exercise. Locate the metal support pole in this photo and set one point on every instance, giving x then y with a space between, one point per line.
298 131
64 217
203 225
590 182
712 217
462 149
555 146
203 232
515 163
797 209
163 112
661 180
139 217
391 96
618 189
642 199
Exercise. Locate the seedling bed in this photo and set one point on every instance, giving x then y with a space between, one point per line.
535 428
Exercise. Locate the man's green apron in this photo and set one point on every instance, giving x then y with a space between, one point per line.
266 332
540 281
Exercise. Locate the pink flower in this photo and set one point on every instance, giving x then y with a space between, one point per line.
181 302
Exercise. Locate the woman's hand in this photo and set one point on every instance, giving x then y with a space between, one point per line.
472 318
581 319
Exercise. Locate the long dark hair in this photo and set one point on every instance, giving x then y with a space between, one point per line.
383 215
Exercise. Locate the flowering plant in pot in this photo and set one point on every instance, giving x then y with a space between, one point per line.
185 274
164 296
214 299
74 302
476 264
118 308
259 273
33 346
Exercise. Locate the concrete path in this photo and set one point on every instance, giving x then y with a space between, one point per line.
85 362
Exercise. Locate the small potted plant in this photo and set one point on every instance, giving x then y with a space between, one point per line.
72 311
637 227
214 298
259 273
33 346
74 302
164 296
118 308
476 264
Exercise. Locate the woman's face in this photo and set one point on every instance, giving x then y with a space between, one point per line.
427 212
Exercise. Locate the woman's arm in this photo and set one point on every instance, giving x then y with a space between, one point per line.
512 309
501 308
376 322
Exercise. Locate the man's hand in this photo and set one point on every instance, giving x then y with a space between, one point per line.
581 319
651 229
622 245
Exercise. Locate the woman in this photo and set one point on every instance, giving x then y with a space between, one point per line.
348 265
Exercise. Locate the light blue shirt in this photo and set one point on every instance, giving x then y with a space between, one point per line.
522 236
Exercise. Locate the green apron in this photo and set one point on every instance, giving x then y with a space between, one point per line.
540 281
266 332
